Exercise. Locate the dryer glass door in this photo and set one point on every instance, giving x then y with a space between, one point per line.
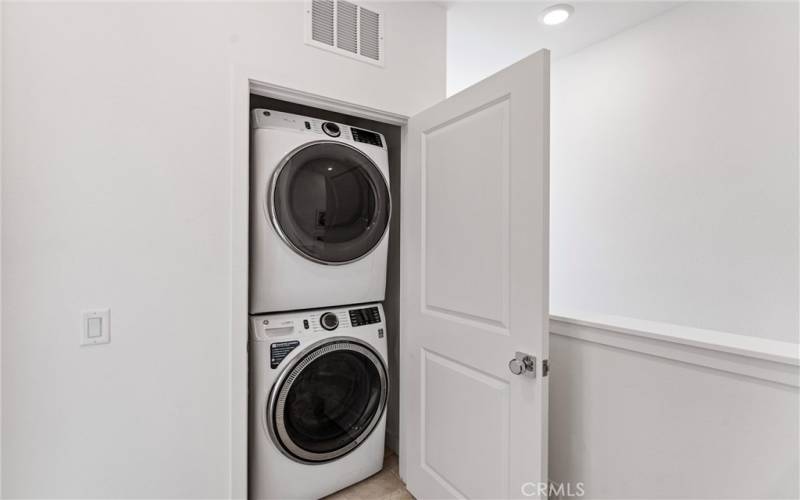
328 401
329 202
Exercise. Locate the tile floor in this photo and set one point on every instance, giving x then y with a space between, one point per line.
385 485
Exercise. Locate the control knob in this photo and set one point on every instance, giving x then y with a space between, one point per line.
329 321
331 129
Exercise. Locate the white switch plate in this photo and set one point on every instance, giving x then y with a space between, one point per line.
96 327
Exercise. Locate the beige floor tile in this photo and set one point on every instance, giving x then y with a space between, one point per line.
339 495
385 485
400 494
391 462
377 486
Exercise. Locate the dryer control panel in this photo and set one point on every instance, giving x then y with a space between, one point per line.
267 118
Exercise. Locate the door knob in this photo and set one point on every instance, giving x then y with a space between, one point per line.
523 364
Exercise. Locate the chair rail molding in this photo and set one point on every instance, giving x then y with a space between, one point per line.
754 357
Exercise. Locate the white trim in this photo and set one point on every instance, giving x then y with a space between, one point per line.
402 327
238 335
1 270
749 356
330 104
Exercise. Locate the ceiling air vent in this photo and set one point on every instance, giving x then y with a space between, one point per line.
345 28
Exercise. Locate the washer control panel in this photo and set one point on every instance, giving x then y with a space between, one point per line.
289 326
286 333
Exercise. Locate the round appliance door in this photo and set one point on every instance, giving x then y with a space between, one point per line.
329 202
328 400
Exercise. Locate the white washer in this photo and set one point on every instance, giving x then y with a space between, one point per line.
318 391
319 213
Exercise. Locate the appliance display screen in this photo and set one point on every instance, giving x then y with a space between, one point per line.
366 316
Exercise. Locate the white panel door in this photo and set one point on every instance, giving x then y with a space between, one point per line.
475 289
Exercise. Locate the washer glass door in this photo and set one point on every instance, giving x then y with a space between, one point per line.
328 401
329 202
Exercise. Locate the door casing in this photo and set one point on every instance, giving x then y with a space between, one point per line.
263 81
246 80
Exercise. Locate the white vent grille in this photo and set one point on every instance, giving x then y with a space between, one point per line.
370 34
345 28
322 21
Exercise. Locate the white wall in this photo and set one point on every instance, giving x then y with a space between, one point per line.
675 171
484 37
630 424
674 197
674 177
116 193
674 158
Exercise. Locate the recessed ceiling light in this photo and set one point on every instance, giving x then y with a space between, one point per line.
556 14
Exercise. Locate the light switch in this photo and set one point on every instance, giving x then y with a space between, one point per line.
95 327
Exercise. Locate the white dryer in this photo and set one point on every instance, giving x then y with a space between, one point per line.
318 391
320 211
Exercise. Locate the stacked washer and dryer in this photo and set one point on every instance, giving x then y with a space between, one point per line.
319 219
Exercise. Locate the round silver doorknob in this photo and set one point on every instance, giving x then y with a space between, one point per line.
523 364
516 366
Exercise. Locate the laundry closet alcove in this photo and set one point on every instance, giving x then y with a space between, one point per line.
467 266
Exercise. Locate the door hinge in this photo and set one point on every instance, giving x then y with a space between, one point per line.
545 367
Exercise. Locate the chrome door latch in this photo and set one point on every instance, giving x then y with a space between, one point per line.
523 364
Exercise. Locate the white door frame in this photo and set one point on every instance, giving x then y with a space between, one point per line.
269 83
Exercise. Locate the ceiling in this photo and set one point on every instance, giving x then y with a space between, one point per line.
483 37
